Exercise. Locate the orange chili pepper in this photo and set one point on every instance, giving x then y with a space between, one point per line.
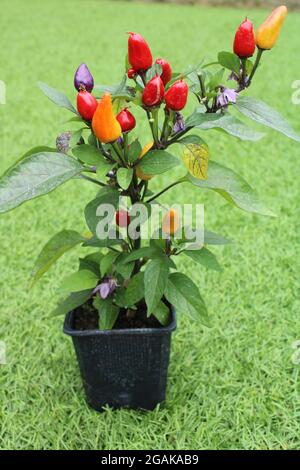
139 172
171 222
268 32
105 125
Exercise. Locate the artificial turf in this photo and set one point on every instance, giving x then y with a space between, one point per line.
233 386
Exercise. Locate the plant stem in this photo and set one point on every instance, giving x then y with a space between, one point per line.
203 91
164 190
256 64
92 180
116 148
125 138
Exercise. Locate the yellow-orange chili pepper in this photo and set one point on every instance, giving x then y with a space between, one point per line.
139 172
268 32
105 125
171 222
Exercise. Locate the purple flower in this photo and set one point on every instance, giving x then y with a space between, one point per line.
106 288
227 96
63 142
83 79
179 123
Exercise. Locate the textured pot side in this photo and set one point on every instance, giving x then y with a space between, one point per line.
123 368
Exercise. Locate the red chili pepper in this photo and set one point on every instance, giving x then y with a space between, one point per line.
122 218
176 96
153 92
166 70
244 41
131 73
139 54
86 105
126 120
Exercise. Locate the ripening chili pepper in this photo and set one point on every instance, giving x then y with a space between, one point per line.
268 32
166 70
154 91
176 96
86 105
131 73
83 79
171 222
126 120
139 172
105 125
244 40
139 54
122 218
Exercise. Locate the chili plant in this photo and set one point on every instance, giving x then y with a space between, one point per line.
122 273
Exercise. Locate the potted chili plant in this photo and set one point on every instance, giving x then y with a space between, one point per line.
120 307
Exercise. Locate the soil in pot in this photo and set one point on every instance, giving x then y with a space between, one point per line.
86 317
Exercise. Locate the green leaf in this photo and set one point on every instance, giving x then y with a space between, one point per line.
122 267
265 115
76 138
185 296
156 162
106 195
117 91
119 297
107 262
38 149
230 61
81 280
108 312
232 187
226 122
74 300
53 250
134 151
92 263
162 313
155 281
144 252
204 257
34 176
57 97
135 290
88 154
124 177
103 168
191 139
216 80
212 238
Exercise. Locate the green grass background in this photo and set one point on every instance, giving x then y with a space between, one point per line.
231 386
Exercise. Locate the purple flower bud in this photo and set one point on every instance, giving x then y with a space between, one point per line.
106 288
83 79
120 141
63 142
179 123
227 96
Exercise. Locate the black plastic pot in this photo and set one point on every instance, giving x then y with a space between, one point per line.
123 368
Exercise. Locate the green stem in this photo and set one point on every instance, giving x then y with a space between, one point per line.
256 64
125 138
116 148
92 180
164 190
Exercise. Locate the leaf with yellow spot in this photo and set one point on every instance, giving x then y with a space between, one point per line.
195 158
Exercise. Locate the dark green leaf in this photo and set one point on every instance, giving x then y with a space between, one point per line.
34 176
191 139
108 312
124 177
53 250
81 280
135 290
134 151
204 257
216 80
265 115
88 154
107 262
107 195
232 187
122 267
155 281
230 61
162 313
91 262
57 97
74 300
184 295
158 161
144 252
